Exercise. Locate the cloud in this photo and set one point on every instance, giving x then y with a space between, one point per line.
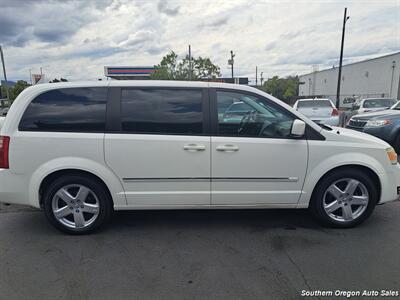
164 7
217 22
75 39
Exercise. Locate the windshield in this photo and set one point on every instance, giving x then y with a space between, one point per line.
313 103
376 103
396 106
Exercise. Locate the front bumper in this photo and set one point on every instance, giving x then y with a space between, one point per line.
390 185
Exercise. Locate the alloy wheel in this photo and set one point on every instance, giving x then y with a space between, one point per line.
345 200
75 206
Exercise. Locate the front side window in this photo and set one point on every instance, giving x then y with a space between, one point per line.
69 109
251 116
162 111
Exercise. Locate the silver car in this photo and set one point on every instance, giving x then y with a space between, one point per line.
321 111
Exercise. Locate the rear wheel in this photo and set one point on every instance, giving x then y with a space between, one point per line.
344 198
77 204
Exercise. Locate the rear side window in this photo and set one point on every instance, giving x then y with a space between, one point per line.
75 109
162 111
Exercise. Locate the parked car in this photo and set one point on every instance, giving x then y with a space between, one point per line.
235 112
2 119
4 111
3 114
319 110
382 124
348 102
372 104
81 150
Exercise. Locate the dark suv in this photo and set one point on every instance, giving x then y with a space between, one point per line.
383 124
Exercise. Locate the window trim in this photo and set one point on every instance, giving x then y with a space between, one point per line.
63 130
310 133
114 115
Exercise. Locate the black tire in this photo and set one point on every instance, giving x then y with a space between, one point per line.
317 201
105 206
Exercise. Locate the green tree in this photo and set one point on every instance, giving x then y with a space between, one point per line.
15 90
170 68
282 88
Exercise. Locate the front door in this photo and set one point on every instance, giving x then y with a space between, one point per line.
161 153
255 160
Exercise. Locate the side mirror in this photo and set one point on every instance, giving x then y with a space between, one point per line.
298 128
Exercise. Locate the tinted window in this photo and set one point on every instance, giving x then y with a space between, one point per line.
75 109
256 117
162 111
376 103
313 103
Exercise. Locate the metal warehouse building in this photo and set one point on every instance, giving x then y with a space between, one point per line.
377 77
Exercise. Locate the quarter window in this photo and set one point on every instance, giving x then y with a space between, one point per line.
245 115
162 111
74 109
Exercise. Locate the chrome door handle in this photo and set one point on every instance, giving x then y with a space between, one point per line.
227 148
194 147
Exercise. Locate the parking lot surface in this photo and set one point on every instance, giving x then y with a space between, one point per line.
224 254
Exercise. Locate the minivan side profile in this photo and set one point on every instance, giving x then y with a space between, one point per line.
81 150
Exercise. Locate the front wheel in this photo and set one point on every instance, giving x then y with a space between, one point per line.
77 204
344 198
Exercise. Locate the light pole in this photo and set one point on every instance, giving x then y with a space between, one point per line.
345 18
190 63
391 82
261 78
231 61
256 75
5 77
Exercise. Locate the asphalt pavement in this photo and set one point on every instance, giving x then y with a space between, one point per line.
219 254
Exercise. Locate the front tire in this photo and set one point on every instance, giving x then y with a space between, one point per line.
344 198
77 204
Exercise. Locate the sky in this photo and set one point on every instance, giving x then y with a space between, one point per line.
76 39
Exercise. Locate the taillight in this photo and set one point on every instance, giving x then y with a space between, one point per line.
335 112
4 148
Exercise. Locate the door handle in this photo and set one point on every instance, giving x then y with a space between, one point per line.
194 147
227 148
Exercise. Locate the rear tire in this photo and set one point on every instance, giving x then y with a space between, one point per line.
344 198
77 204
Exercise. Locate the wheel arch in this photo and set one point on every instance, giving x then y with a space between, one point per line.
85 167
56 174
373 175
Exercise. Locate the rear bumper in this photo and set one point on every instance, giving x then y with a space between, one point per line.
13 188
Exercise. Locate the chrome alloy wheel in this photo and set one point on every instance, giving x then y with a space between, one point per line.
346 200
75 206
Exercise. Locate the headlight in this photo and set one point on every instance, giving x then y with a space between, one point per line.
392 155
377 123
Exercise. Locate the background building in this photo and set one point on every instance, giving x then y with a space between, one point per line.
377 77
128 73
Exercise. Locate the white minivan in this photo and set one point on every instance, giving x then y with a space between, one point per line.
81 150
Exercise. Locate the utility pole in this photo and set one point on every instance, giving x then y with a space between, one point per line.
256 75
30 75
345 18
391 82
261 78
190 63
5 77
231 61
